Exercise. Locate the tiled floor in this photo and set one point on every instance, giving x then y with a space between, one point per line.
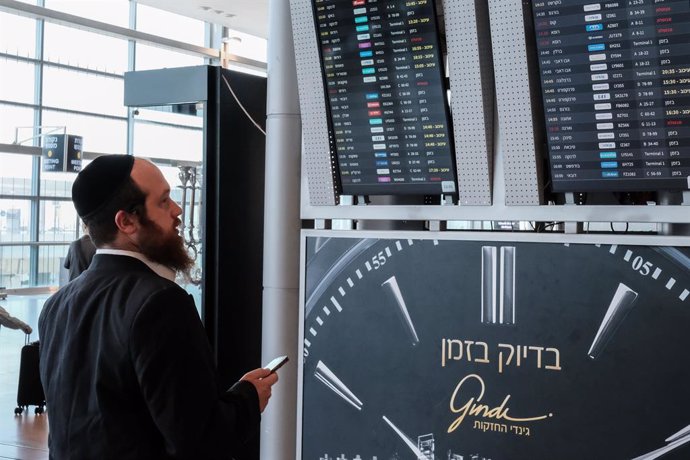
25 436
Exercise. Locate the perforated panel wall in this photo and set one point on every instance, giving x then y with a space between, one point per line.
472 97
317 165
515 112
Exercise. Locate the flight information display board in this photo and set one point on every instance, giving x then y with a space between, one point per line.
615 80
383 74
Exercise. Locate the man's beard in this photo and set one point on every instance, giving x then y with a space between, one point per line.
165 248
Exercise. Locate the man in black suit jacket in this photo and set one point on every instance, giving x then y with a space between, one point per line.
127 370
79 255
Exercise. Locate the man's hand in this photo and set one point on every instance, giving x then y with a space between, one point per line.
263 380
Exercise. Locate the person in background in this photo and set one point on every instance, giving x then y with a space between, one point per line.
79 254
125 362
11 322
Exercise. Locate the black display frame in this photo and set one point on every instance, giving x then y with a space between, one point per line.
390 189
601 185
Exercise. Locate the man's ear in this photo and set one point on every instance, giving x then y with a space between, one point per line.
126 223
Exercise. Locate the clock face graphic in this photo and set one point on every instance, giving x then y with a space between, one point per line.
456 349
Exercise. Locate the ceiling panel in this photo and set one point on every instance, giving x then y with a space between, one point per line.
248 16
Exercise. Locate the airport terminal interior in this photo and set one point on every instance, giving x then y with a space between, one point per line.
465 222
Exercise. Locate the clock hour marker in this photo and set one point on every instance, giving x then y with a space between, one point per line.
621 303
684 295
350 282
359 274
392 285
681 434
326 311
320 243
398 245
328 378
671 282
408 442
498 285
336 304
674 441
614 248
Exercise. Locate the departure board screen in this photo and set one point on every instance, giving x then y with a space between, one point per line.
383 74
615 80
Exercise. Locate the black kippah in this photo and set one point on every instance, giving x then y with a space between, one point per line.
98 182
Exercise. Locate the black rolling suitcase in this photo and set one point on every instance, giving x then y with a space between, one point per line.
30 390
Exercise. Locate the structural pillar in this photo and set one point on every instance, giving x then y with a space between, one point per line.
281 234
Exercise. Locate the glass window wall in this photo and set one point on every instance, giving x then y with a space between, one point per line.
103 135
169 142
17 80
17 35
13 117
15 220
114 12
82 91
85 50
14 266
58 222
15 174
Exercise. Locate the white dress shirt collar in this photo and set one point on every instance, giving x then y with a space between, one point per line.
159 269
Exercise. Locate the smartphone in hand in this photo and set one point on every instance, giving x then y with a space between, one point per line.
277 363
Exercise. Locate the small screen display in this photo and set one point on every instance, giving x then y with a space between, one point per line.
383 74
615 80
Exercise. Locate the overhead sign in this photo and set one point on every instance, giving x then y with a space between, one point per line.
62 153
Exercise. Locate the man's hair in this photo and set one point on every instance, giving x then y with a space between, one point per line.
101 224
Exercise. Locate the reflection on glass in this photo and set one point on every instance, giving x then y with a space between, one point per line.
14 266
57 184
58 221
50 261
15 218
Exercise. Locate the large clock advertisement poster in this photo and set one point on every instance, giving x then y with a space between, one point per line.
458 350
